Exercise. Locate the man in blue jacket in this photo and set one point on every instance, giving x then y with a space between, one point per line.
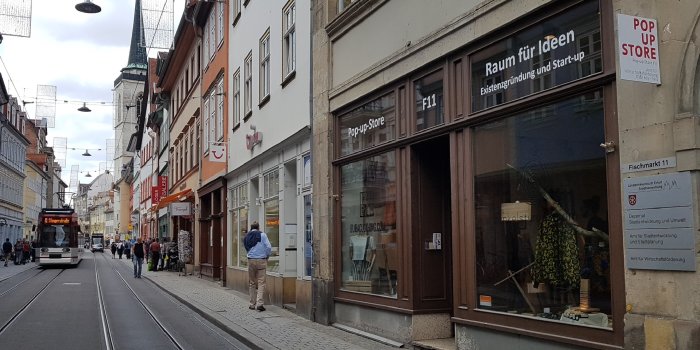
259 249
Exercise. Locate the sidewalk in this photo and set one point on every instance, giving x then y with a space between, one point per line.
12 269
275 328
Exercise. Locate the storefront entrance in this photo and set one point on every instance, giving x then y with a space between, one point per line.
431 224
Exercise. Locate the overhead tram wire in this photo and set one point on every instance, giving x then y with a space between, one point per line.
12 81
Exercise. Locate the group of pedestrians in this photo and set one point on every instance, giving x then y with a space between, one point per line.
23 251
146 251
120 248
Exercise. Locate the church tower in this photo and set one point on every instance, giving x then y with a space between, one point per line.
128 93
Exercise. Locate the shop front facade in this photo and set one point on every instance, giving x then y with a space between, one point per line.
477 185
274 189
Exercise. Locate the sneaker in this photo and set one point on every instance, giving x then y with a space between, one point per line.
252 307
260 308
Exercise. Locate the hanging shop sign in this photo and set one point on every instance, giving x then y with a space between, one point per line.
160 189
253 139
659 228
638 49
181 209
217 153
562 49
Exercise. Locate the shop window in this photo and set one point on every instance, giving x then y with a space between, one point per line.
370 125
239 225
368 207
540 214
554 52
271 204
430 104
308 236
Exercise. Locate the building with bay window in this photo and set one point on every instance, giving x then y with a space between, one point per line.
507 173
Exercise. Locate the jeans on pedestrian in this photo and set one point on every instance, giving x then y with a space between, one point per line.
138 262
257 270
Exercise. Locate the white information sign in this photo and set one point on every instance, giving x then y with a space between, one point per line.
638 49
651 164
658 218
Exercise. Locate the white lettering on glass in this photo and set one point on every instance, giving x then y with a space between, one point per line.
369 125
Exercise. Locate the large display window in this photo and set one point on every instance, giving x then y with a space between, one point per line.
541 227
368 205
239 225
271 204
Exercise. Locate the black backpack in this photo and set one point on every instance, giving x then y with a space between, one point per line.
251 239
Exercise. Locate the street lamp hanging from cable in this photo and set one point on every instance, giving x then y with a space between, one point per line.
84 108
88 7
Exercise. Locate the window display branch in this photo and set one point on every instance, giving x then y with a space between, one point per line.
580 230
512 274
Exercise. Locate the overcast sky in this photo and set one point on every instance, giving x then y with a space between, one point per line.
81 55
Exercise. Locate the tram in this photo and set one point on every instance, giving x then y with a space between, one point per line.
59 238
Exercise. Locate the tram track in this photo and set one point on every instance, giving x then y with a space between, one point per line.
156 320
26 305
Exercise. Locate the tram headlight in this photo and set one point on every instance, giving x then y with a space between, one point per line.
66 250
44 250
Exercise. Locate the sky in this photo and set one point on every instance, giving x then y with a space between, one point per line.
81 55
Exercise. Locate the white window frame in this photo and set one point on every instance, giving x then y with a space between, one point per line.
205 132
220 21
220 98
236 10
237 97
264 75
211 23
289 39
248 84
212 116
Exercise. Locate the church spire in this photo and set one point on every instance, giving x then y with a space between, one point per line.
137 52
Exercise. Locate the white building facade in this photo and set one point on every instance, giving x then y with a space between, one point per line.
269 146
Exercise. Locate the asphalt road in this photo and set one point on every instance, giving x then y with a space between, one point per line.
99 305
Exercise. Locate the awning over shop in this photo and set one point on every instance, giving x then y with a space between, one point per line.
173 197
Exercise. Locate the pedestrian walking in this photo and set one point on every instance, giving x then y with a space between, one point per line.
113 248
18 252
155 255
120 249
32 252
26 248
127 249
259 248
138 253
7 250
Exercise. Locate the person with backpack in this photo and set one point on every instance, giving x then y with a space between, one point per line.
127 249
259 248
7 250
